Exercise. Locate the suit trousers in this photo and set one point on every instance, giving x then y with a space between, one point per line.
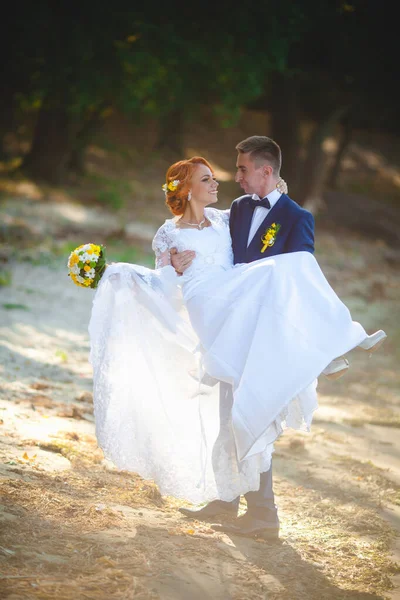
262 502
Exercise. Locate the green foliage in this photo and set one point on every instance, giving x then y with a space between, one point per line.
66 248
121 251
165 61
113 192
111 197
5 277
13 306
151 62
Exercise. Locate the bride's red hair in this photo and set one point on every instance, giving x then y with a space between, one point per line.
182 170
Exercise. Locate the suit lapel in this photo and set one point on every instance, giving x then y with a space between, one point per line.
273 216
247 215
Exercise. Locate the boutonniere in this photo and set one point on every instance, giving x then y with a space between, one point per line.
269 237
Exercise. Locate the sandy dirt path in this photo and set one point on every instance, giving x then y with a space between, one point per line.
73 526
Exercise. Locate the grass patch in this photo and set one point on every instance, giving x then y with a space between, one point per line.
27 290
62 355
113 193
394 422
5 277
111 197
373 477
382 422
66 248
80 452
12 306
44 255
121 252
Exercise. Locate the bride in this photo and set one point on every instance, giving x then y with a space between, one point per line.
160 342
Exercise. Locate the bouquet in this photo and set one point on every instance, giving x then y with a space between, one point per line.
86 265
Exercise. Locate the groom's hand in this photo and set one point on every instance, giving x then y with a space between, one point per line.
181 260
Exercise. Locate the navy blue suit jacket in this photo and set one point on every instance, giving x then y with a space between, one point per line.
295 234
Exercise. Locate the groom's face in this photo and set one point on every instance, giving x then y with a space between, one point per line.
249 176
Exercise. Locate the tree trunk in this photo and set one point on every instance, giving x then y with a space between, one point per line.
82 139
285 126
7 123
51 145
170 135
312 168
344 142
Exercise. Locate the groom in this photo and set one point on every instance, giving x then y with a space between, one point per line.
262 223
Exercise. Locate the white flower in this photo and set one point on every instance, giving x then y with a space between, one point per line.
75 270
90 274
89 257
80 279
82 252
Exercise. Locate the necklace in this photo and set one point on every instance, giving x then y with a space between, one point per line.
198 225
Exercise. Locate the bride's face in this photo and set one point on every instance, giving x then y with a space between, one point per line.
204 186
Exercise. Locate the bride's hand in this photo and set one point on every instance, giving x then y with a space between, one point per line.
281 186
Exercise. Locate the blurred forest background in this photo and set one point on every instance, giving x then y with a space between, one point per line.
97 100
100 99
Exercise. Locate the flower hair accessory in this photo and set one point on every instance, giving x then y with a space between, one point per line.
171 186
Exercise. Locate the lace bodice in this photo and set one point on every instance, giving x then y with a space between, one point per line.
213 245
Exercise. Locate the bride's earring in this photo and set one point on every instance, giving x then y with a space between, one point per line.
281 186
189 196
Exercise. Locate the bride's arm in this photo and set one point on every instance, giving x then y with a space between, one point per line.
162 259
161 246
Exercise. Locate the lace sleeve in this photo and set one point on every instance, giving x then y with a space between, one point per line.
225 214
161 245
217 215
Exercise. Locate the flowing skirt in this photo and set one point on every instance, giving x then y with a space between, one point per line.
267 328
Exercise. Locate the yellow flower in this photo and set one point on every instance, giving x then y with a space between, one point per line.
171 186
74 279
88 282
73 260
269 237
87 267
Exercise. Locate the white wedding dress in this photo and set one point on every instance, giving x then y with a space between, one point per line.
158 341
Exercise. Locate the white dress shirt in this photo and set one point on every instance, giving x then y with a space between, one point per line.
260 212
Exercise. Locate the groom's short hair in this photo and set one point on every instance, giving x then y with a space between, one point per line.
262 149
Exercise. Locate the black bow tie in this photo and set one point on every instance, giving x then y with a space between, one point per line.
264 202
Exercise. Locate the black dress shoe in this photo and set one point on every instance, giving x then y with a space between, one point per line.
251 526
213 509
